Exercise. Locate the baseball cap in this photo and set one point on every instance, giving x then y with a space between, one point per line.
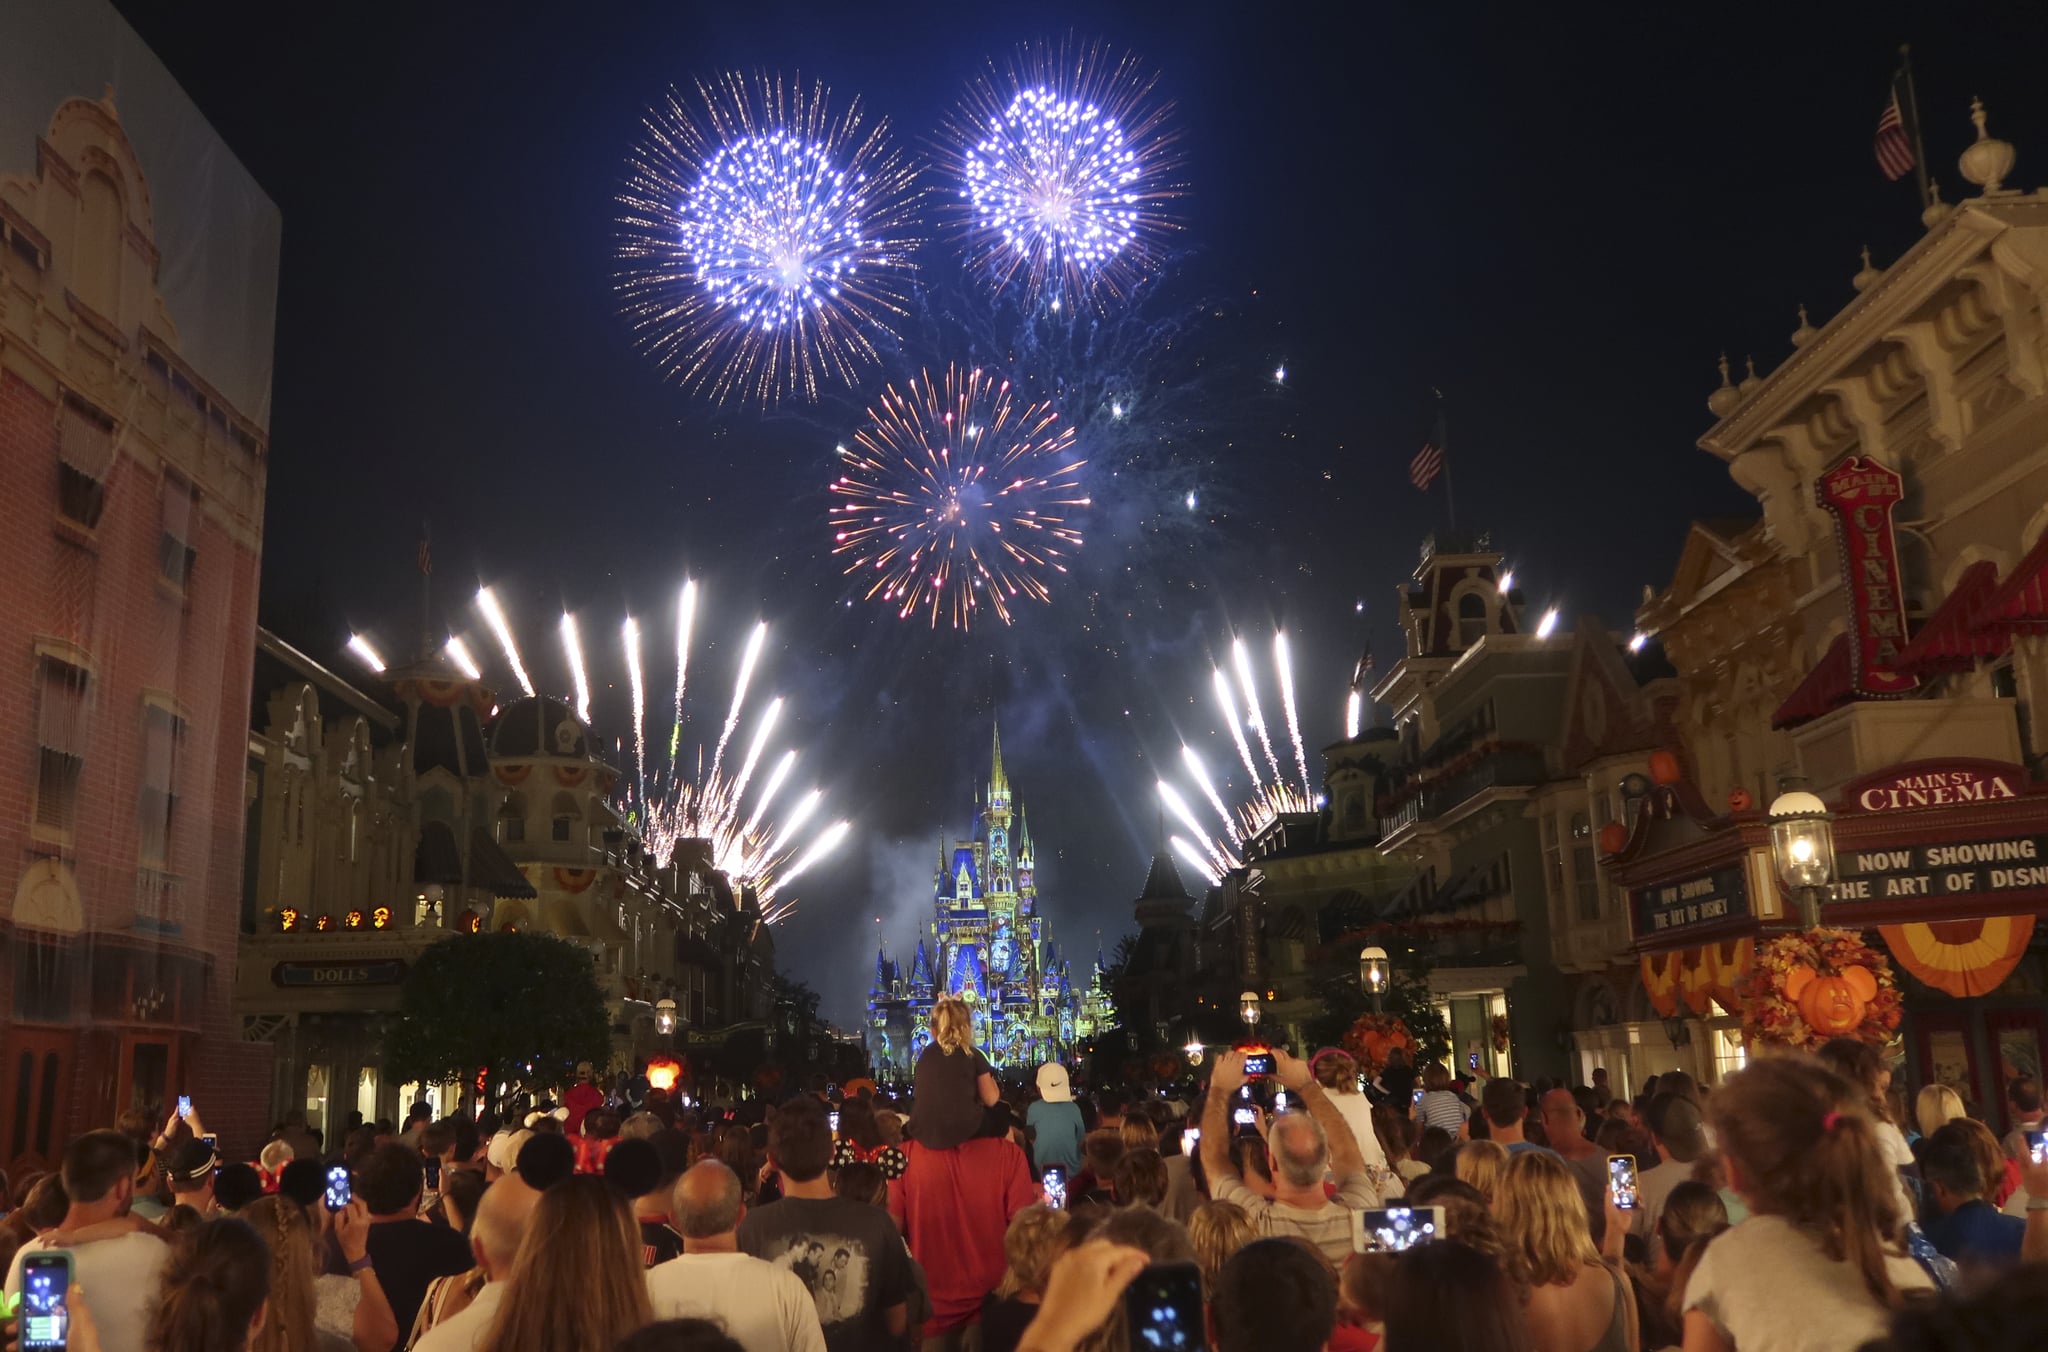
1052 1083
192 1162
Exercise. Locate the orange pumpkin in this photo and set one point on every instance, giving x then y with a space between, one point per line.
1613 837
1664 768
1831 1005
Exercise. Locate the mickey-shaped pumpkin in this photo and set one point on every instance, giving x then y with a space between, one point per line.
1831 1005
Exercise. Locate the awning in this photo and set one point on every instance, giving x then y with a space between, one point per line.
1952 639
1828 685
2020 603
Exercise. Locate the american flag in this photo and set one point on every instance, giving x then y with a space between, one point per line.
1894 151
1427 464
426 557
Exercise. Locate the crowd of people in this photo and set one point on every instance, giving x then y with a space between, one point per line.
1799 1206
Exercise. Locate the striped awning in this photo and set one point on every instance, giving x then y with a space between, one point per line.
1829 684
2019 605
1953 638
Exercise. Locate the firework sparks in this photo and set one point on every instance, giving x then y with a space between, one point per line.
1228 704
360 646
1178 806
1194 859
1252 713
1284 665
629 633
763 239
739 692
1354 713
487 602
956 495
686 618
827 841
1066 166
1208 787
572 651
754 750
775 778
458 653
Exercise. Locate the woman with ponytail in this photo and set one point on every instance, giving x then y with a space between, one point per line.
1815 1267
216 1290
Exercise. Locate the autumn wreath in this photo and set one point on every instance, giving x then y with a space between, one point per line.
1372 1037
1817 984
1500 1032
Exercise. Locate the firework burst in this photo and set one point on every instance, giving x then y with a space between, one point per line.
955 496
1066 165
763 239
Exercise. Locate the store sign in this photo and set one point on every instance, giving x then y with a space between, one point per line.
1966 868
1931 786
1862 494
389 972
1690 903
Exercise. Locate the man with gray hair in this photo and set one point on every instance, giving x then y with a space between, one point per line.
1300 1147
463 1314
762 1307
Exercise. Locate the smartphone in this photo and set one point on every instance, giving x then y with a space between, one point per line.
433 1166
45 1296
1391 1229
833 1118
2037 1146
1055 1184
338 1193
1246 1117
1163 1306
1472 1061
1258 1064
1621 1182
1418 1098
213 1144
1280 1100
184 1105
1190 1141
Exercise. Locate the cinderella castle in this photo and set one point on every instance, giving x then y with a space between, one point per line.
989 945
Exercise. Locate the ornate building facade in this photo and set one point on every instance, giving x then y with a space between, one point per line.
988 944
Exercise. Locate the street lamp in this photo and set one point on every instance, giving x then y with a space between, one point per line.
1803 847
1372 974
665 1016
1194 1051
1248 1010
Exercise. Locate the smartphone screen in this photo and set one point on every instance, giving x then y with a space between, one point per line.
1472 1061
2037 1146
1055 1184
338 1193
1418 1098
1280 1100
1163 1305
1190 1141
1258 1063
833 1118
45 1293
184 1105
1394 1228
1621 1181
1246 1117
433 1165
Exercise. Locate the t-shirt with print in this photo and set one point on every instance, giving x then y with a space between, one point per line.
848 1256
119 1277
1767 1286
946 1106
1328 1227
659 1241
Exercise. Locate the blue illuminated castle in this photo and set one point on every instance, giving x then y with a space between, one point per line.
988 944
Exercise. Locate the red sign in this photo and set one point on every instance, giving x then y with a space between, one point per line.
1938 784
1862 494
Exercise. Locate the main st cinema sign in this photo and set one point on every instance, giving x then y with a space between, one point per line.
2010 862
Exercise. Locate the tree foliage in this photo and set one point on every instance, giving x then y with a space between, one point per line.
525 1007
1408 998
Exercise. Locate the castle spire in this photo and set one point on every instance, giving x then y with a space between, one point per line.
998 782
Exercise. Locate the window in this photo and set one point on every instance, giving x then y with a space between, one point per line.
162 730
1585 882
512 819
60 733
1553 864
565 815
1471 619
96 273
85 454
175 553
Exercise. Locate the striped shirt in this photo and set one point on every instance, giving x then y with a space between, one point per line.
1328 1227
1441 1108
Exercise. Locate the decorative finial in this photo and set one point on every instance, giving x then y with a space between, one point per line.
1805 332
1863 280
1749 381
1936 208
1988 160
1722 401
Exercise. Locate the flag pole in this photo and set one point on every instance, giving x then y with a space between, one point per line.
1443 429
1913 119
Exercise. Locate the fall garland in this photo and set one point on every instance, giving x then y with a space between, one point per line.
1372 1037
1813 985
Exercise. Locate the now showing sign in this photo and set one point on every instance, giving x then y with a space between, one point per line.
2006 864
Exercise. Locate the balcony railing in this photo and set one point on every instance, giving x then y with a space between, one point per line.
1504 769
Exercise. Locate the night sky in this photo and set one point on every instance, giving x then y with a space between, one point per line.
1560 219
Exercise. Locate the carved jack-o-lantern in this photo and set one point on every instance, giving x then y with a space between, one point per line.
1832 1005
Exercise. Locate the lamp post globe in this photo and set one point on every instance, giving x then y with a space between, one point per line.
1802 848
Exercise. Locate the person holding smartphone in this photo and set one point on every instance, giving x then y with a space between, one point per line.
1300 1147
117 1261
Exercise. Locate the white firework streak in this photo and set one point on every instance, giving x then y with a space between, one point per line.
1253 714
458 653
1208 787
775 778
629 633
686 617
1178 807
739 691
760 744
1194 857
1293 715
1228 703
1354 714
572 647
487 602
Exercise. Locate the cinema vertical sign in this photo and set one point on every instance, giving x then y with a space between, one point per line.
1862 495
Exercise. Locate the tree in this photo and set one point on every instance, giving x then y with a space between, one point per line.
1408 998
521 1008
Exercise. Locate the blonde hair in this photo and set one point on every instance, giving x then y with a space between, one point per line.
578 1274
1337 1071
1803 1146
1937 1104
1037 1235
952 1025
1139 1134
1218 1230
1481 1163
287 1232
1544 1218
